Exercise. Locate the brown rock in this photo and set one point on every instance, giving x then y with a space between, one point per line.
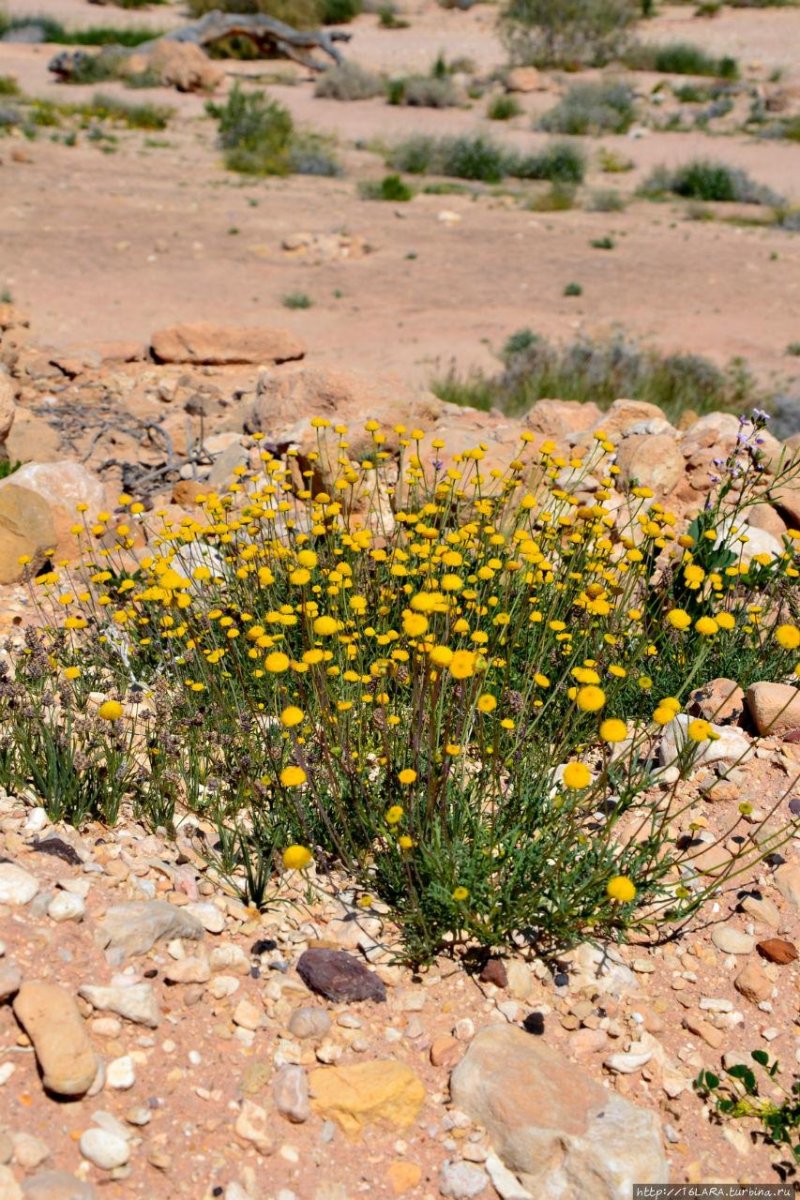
711 1036
764 516
26 528
204 343
186 491
777 950
788 501
339 976
62 485
558 418
774 707
445 1051
51 1018
624 415
652 460
403 1176
720 700
32 438
525 79
8 406
753 984
184 66
494 971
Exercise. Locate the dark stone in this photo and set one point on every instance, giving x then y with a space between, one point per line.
560 979
263 946
777 950
336 975
59 849
494 971
794 806
534 1023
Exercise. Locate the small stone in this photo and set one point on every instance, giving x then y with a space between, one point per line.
494 971
520 980
628 1064
230 958
103 1149
290 1091
66 907
29 1151
52 1021
192 969
208 915
56 1185
339 976
711 1036
763 910
247 1015
137 1003
309 1022
505 1182
753 984
445 1051
9 1188
732 941
403 1176
777 950
120 1073
464 1030
17 887
461 1180
10 981
787 881
252 1125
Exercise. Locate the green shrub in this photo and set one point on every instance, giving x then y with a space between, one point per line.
8 86
573 289
558 198
135 116
473 157
302 14
591 108
54 32
612 163
297 300
478 157
603 243
391 188
704 179
348 81
601 371
313 154
605 200
416 155
503 108
255 133
559 162
679 58
566 33
423 91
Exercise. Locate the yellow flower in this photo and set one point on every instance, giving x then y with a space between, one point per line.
292 776
590 698
460 894
706 626
462 664
110 710
307 558
291 716
486 703
679 618
405 842
663 715
699 730
613 730
726 620
414 624
276 662
295 858
788 636
453 749
72 672
621 888
407 776
576 776
441 656
394 815
325 626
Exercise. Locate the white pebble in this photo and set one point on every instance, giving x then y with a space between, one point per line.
66 907
105 1150
120 1073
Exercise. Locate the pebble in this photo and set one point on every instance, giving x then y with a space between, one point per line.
309 1022
223 985
248 1015
461 1180
191 969
732 941
137 1003
120 1073
290 1092
777 950
66 907
103 1149
339 976
17 887
209 916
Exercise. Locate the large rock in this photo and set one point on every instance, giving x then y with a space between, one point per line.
27 529
653 461
559 418
219 345
52 1020
788 500
625 415
729 744
184 66
562 1134
385 1092
61 485
774 707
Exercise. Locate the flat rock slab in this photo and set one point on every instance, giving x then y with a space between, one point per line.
383 1092
52 1020
339 976
137 1003
564 1136
131 929
204 344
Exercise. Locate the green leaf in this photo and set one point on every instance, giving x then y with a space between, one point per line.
761 1057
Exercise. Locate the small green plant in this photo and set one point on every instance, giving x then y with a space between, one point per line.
388 18
794 349
738 1096
503 108
423 91
348 81
391 188
8 86
704 179
7 467
302 14
135 116
592 108
612 163
54 33
6 296
560 197
255 133
603 243
297 300
679 58
566 33
573 289
605 200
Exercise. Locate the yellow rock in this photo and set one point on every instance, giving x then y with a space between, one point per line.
382 1091
403 1175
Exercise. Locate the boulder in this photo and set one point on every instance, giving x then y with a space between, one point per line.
788 501
652 460
764 516
624 415
203 343
774 707
720 700
26 529
32 439
184 66
52 1020
61 485
564 1136
558 418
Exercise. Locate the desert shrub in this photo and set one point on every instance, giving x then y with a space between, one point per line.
254 132
592 108
348 81
612 163
600 370
560 197
605 200
135 116
477 757
8 86
414 155
679 58
295 300
93 35
478 157
391 188
503 108
302 14
474 157
573 289
704 179
313 154
559 162
423 91
566 33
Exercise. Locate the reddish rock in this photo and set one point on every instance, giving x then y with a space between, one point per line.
338 976
494 971
777 950
204 343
